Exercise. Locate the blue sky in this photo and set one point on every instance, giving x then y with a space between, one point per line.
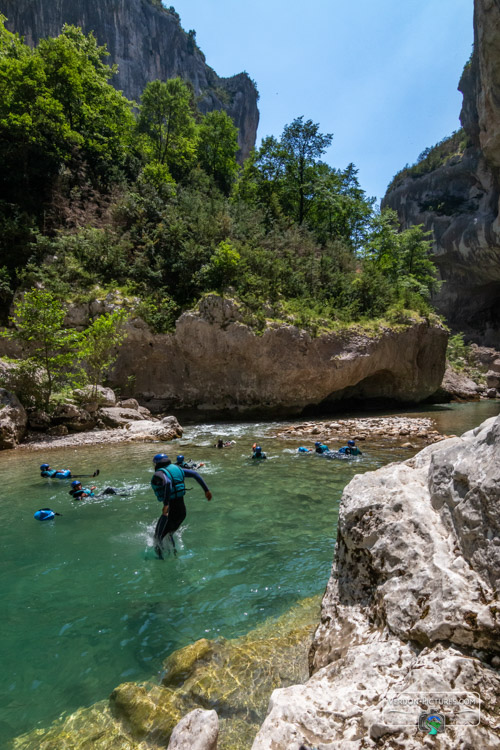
380 75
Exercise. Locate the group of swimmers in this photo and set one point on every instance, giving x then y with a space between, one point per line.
168 485
350 449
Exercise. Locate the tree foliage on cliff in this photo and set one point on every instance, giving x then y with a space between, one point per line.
98 194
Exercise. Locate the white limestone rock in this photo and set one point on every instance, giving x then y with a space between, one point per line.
198 730
411 606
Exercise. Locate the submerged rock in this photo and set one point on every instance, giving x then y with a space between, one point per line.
411 607
233 678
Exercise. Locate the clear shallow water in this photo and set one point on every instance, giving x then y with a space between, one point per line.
85 603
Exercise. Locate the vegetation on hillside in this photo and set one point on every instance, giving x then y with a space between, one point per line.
99 194
433 157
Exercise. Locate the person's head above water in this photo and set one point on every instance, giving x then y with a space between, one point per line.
220 443
161 459
180 459
258 449
76 483
44 467
317 443
350 443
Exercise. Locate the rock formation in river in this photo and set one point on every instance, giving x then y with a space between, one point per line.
148 43
411 608
215 364
459 200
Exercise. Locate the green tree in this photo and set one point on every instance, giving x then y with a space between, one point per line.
402 256
217 147
301 146
49 349
166 119
99 116
99 346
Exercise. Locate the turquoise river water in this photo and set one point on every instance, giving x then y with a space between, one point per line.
85 603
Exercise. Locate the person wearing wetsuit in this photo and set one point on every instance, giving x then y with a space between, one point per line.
169 488
179 461
350 449
78 492
321 448
257 453
48 472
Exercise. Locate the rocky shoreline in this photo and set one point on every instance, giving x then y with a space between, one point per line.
411 608
422 430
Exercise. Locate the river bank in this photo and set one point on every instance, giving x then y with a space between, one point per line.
392 429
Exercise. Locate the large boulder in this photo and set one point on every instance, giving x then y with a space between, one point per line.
215 364
165 429
116 416
13 420
198 730
411 608
457 386
73 417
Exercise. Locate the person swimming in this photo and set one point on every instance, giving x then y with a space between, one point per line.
321 448
180 461
47 471
78 492
350 449
258 453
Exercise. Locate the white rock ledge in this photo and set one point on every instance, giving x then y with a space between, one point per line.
411 607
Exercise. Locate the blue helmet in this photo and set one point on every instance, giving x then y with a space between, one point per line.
75 483
44 466
317 443
350 442
160 457
180 459
258 449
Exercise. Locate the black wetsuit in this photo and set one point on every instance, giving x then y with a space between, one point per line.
176 507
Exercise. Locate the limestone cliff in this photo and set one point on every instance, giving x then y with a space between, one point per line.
216 364
410 618
459 201
147 43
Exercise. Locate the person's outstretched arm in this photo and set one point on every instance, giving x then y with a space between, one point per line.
200 480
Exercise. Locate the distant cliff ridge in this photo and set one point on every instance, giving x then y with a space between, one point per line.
147 42
459 199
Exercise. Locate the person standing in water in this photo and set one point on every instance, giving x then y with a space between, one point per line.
169 487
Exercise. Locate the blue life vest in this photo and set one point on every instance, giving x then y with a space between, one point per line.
44 514
176 476
54 474
76 494
302 449
322 449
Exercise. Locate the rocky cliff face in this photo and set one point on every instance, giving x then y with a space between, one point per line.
459 201
147 43
215 364
411 610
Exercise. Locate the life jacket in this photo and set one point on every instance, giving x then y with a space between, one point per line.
77 494
176 476
55 474
322 449
45 514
